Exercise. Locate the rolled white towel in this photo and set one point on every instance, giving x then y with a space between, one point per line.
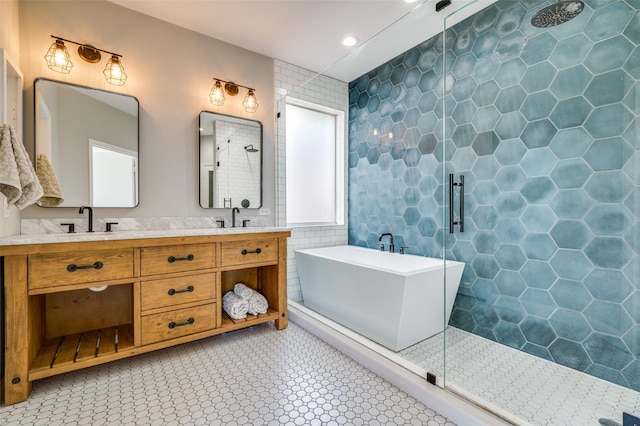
257 304
235 306
243 290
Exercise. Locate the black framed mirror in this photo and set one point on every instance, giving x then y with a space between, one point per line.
87 141
230 166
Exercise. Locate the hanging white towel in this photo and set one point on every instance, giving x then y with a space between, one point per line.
257 304
235 306
29 186
243 290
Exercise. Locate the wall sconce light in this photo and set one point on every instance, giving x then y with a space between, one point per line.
114 71
59 60
216 95
250 102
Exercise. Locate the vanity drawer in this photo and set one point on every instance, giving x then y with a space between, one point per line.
179 258
48 270
178 323
251 251
175 291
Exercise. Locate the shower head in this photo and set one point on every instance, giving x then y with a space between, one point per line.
558 13
250 148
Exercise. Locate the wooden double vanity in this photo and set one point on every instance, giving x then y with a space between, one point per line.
73 304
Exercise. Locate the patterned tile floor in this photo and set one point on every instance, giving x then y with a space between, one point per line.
256 376
507 380
519 387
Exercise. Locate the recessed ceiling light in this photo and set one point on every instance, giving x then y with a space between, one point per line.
349 41
410 1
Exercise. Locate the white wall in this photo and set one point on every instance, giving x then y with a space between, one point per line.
170 71
306 85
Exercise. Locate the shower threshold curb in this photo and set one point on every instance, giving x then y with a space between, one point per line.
448 404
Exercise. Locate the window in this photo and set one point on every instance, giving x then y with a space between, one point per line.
314 164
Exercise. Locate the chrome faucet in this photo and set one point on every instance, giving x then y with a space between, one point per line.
392 247
82 208
233 216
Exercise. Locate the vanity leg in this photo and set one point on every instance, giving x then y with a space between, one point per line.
16 386
283 320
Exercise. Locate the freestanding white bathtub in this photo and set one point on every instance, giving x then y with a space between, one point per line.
395 300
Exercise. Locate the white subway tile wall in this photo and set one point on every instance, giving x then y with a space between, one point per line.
233 156
300 83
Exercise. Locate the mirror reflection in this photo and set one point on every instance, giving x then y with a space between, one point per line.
230 162
87 145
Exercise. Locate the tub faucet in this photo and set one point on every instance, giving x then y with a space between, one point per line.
233 216
392 247
90 226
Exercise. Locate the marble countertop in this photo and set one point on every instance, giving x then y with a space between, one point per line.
130 235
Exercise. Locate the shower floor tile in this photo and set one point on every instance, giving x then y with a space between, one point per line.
535 390
256 376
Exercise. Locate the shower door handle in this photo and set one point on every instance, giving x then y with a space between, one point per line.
460 221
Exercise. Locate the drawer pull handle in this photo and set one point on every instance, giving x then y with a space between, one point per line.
173 291
189 258
73 267
246 252
173 324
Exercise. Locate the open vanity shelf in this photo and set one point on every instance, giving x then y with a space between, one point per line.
66 353
71 305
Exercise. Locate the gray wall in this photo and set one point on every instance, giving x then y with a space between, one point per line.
9 36
170 72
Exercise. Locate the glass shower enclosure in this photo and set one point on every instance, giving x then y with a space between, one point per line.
540 104
509 142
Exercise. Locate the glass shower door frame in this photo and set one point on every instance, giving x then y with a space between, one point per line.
453 214
553 232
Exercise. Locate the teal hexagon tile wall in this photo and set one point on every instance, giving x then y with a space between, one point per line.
543 123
